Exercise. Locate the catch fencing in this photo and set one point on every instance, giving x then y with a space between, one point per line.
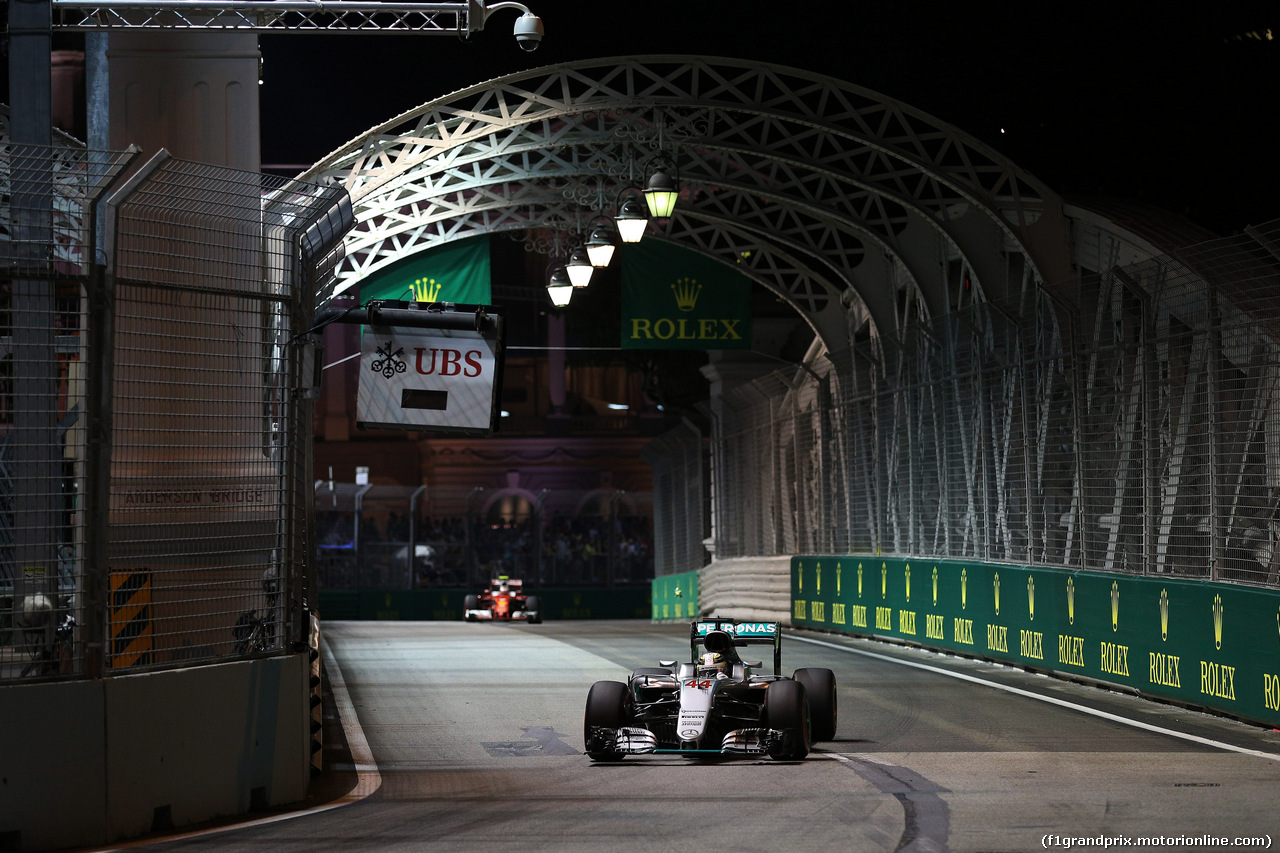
1126 421
386 537
170 454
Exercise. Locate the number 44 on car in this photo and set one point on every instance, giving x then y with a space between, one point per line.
715 704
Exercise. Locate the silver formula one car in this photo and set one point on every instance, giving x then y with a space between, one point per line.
717 704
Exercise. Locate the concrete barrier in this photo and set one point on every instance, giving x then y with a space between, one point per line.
753 588
87 763
1197 643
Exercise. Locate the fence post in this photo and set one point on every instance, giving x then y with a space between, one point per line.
100 340
356 547
412 559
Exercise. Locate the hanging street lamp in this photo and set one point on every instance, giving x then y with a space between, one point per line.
661 194
600 246
631 220
559 288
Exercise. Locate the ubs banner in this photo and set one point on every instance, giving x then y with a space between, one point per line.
427 379
1209 644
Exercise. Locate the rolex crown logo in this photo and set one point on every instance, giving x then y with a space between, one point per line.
1071 600
964 588
935 586
1031 598
995 586
1115 606
884 580
426 289
1164 614
1217 622
817 573
686 291
859 580
907 578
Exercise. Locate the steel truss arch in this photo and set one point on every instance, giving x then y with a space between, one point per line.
750 137
831 228
788 274
836 245
434 192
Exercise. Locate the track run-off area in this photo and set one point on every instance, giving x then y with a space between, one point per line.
469 737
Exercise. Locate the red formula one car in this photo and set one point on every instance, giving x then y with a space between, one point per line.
503 601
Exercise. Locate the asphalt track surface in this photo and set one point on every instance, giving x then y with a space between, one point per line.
460 736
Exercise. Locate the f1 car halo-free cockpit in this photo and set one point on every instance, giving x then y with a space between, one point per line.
715 704
504 600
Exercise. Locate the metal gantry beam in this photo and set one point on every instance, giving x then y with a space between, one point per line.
295 16
284 16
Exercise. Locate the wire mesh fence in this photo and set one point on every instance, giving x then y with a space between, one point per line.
396 537
166 465
679 461
1128 421
47 249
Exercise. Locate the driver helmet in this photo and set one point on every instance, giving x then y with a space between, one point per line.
717 660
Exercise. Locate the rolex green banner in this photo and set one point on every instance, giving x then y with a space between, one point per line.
675 298
1213 645
675 596
456 272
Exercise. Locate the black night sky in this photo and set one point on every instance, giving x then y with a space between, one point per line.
1156 104
1172 105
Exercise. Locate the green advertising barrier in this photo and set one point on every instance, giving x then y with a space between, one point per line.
1211 645
675 597
417 605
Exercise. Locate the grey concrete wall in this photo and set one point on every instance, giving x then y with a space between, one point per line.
89 763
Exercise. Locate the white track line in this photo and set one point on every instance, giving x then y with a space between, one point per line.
369 779
1052 700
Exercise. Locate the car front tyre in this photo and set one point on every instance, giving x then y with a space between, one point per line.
786 708
606 708
820 687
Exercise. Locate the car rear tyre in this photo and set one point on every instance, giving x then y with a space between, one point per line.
471 602
606 708
533 607
820 688
786 708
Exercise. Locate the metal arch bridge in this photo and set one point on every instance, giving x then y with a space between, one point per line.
861 213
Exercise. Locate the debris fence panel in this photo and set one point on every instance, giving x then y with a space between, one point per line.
1126 421
180 529
47 249
396 537
681 491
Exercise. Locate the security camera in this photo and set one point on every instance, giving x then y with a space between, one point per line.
528 31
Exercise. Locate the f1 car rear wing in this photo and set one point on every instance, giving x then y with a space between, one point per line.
741 634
